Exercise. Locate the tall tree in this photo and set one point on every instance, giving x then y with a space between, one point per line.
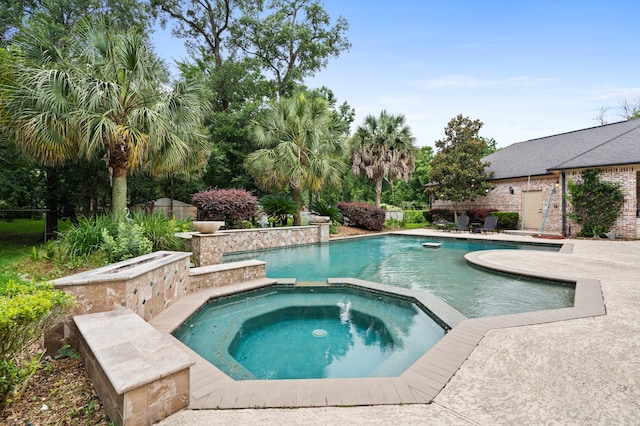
288 41
54 20
293 42
58 17
341 116
300 147
206 28
105 97
410 194
457 169
383 150
205 25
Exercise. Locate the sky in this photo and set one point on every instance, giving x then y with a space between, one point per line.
526 69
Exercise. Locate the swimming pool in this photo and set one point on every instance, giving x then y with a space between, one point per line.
402 261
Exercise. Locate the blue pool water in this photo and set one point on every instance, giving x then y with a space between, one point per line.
402 261
286 332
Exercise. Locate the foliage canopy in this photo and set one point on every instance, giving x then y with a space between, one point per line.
300 147
104 96
457 170
382 149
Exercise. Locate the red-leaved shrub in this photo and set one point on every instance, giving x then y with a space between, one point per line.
362 215
478 214
230 205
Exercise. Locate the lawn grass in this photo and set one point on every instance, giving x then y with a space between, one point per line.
17 240
415 225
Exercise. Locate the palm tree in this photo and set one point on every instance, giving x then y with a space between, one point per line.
300 148
383 149
104 96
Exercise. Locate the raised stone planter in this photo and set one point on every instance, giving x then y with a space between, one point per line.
140 375
146 284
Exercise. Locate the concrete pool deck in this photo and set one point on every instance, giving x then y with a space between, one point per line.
581 371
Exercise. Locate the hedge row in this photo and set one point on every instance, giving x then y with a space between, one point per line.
362 215
507 220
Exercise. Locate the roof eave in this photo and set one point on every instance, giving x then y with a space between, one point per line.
592 166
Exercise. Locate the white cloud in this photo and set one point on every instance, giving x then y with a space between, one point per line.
612 93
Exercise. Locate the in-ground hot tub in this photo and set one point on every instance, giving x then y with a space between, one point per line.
302 332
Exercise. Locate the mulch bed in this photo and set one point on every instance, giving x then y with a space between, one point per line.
59 393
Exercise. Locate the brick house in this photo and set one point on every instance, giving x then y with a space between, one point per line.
531 177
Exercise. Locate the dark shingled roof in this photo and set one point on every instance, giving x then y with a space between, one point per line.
608 145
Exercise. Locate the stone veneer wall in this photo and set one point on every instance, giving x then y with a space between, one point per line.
225 274
208 249
146 284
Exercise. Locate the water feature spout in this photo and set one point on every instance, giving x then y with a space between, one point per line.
345 312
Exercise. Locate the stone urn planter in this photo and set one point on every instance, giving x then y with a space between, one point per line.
207 226
319 219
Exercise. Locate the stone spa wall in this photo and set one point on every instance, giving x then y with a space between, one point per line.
208 248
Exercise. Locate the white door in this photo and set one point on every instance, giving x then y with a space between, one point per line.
532 209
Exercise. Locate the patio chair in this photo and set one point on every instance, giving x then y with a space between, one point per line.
443 225
490 223
462 224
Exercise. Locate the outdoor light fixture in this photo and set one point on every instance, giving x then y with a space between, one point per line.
510 189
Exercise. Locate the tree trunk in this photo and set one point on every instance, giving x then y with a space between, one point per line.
296 196
378 191
119 193
51 203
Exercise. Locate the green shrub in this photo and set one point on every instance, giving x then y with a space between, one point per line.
80 241
596 204
161 231
414 216
85 242
506 220
26 310
390 208
130 241
279 207
392 223
323 208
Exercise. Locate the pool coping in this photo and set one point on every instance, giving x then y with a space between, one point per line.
420 383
